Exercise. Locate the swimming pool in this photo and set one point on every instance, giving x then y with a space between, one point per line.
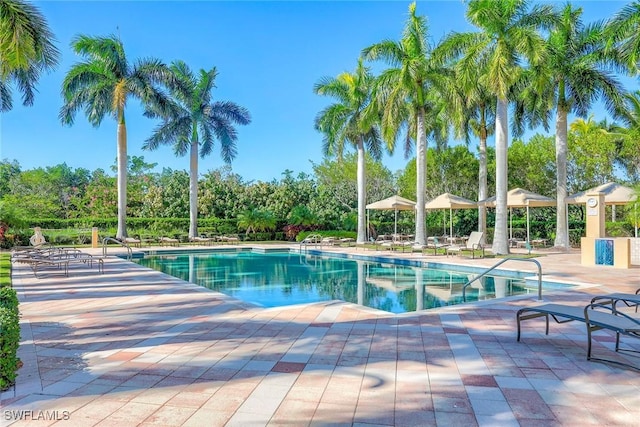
287 278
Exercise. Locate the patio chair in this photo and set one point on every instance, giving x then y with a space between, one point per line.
595 315
349 241
474 242
201 240
132 241
229 238
435 244
59 257
169 241
630 300
328 241
384 241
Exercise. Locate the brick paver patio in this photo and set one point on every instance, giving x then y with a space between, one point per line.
137 347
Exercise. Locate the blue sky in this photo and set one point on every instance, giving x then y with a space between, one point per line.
268 55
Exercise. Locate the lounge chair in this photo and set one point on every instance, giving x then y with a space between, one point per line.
435 244
630 300
229 238
168 241
384 241
474 242
132 241
328 241
59 257
595 315
201 240
349 241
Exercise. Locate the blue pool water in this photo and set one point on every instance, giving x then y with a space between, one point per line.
279 279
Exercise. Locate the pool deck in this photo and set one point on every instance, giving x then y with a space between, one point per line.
134 346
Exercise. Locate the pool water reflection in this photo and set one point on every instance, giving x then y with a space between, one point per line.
279 279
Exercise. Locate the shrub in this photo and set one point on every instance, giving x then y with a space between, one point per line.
9 325
9 339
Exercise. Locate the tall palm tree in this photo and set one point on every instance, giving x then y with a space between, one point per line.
475 116
26 49
348 122
410 96
575 73
101 85
623 35
508 37
192 121
629 144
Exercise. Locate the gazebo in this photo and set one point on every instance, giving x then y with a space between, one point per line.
520 198
393 203
451 202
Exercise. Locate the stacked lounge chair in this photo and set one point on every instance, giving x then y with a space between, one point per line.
44 255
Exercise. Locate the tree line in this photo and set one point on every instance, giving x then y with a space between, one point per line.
526 66
320 200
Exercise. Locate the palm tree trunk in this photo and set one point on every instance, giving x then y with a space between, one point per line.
421 171
362 194
500 243
562 232
122 179
193 189
482 180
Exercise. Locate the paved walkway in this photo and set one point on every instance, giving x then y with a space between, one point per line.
136 347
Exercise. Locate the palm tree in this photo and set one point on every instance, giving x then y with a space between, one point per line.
628 138
101 85
348 122
476 116
26 49
254 220
192 122
623 35
301 215
509 35
410 96
574 74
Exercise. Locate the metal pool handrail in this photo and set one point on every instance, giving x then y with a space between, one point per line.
464 288
111 239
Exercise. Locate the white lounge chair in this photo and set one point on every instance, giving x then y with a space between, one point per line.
474 242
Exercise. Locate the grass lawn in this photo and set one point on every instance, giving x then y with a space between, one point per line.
5 269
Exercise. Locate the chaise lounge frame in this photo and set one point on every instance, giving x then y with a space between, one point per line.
601 313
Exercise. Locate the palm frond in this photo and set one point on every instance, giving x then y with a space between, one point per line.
175 131
5 97
230 111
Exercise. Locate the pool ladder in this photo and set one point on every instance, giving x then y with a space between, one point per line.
484 273
106 240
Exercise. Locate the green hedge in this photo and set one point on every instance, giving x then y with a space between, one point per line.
151 224
9 325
